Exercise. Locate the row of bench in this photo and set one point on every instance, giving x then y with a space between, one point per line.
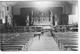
16 43
67 41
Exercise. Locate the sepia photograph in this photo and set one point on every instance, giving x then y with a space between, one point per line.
39 25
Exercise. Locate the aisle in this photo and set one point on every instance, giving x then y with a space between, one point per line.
44 43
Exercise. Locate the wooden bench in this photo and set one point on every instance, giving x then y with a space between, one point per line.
11 47
68 41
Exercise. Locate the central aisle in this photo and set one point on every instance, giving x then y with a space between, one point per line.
42 43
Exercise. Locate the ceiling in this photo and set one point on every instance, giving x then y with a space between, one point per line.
30 2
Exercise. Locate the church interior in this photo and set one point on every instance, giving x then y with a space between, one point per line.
21 21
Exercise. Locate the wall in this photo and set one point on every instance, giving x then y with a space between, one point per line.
74 18
16 10
16 7
68 7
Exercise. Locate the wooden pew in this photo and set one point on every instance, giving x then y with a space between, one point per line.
16 43
67 41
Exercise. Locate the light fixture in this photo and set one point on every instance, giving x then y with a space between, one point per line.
42 4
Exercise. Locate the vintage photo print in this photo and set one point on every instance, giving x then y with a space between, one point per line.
39 25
